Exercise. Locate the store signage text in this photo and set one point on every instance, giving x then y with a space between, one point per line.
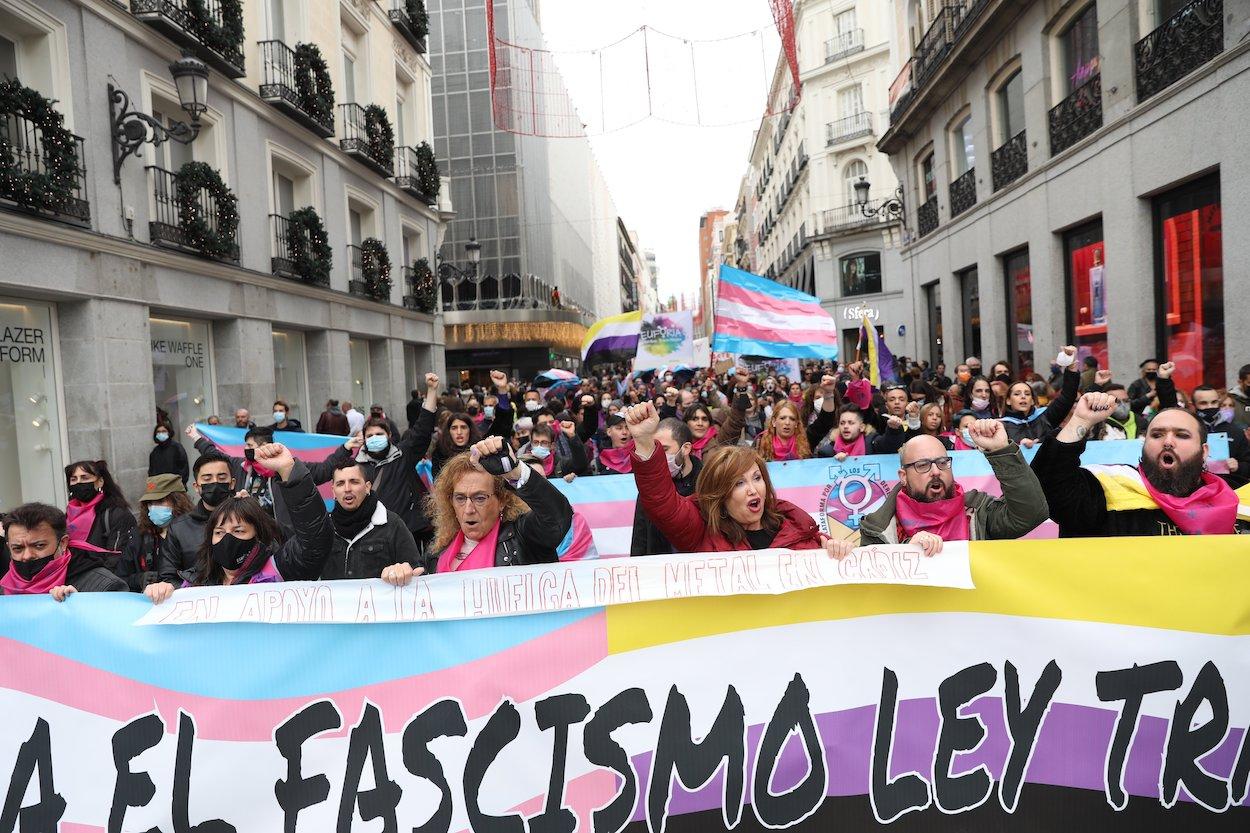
860 313
21 344
192 352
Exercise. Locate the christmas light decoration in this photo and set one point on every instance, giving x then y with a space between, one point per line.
313 86
424 287
427 171
309 246
375 269
215 238
48 179
378 134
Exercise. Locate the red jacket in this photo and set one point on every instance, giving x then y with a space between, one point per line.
679 518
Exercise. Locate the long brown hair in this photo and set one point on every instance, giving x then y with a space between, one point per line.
722 468
268 535
765 440
442 513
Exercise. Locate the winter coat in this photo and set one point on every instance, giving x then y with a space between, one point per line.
384 541
332 422
1043 420
186 535
139 564
112 528
1017 513
679 520
169 457
647 538
293 426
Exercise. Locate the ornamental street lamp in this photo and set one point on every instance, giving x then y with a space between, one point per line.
132 129
889 209
456 276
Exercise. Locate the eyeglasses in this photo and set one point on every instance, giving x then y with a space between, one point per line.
924 466
479 499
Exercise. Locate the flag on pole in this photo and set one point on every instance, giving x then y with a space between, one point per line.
880 360
760 317
613 339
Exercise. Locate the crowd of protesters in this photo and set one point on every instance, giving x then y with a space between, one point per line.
698 445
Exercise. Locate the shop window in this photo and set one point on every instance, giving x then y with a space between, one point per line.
290 373
362 382
1079 46
861 273
1189 266
182 373
1019 312
1085 258
970 294
30 421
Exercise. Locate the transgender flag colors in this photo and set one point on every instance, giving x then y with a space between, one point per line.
613 339
759 317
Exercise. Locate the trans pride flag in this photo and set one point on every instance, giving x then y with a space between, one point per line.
760 317
311 448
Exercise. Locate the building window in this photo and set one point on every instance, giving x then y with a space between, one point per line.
933 304
8 58
182 372
861 273
850 101
1079 44
290 373
1019 312
970 294
963 155
1011 107
1084 259
1189 264
362 382
30 421
275 19
851 175
927 178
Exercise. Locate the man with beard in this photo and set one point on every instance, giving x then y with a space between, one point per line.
928 507
1167 493
1206 400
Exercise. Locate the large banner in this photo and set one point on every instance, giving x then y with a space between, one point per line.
837 494
1083 685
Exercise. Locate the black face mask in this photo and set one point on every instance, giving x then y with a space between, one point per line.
82 492
214 494
29 569
1004 378
1151 375
230 552
472 410
250 454
1209 415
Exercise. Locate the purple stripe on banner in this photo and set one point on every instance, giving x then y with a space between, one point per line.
1070 752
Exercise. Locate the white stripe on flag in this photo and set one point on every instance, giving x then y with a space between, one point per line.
775 320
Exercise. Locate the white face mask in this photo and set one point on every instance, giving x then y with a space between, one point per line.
674 465
818 402
980 404
540 451
532 405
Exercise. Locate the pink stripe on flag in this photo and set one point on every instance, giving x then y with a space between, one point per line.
750 298
745 329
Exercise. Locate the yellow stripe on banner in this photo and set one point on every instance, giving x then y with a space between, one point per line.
1177 583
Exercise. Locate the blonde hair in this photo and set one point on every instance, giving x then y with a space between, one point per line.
442 512
722 468
765 440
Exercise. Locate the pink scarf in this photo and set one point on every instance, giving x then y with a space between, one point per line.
854 449
618 459
480 557
80 517
549 463
945 518
696 447
52 575
258 469
1211 510
784 450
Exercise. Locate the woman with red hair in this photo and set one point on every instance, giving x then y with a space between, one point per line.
784 437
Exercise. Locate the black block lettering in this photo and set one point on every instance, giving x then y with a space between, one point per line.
441 720
1130 685
182 783
295 792
891 799
793 714
500 730
1024 726
1185 745
629 707
132 789
381 801
956 793
559 713
44 817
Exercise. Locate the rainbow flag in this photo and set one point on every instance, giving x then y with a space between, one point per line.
613 339
760 317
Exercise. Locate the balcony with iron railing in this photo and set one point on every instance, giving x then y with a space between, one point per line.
359 257
847 43
26 183
166 226
281 86
292 251
849 128
211 28
1187 40
849 218
963 192
410 18
1010 161
408 174
355 140
1077 116
927 216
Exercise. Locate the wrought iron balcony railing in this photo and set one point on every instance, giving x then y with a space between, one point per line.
280 86
1010 161
27 161
289 251
203 28
1077 116
846 217
357 285
402 16
1187 40
964 192
408 176
851 127
166 229
847 43
355 140
927 216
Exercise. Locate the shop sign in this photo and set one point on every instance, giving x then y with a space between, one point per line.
21 345
859 313
172 351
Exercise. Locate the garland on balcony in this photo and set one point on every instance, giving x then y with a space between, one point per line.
424 286
225 37
419 17
375 269
378 134
51 187
427 171
216 239
309 246
312 83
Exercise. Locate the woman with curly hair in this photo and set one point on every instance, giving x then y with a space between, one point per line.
784 436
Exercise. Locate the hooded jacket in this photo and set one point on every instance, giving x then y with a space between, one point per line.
333 421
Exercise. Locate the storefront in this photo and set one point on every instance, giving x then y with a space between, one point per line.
182 374
526 343
31 437
290 375
1085 258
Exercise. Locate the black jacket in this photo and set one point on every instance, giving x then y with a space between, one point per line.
383 542
186 534
292 425
533 537
1079 505
647 538
1049 419
169 457
139 564
112 529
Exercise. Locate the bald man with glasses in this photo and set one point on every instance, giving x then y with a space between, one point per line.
928 507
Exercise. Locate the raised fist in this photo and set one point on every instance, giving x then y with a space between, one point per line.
1166 370
1093 408
499 379
431 381
276 457
988 435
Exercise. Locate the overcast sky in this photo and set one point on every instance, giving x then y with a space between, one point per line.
663 176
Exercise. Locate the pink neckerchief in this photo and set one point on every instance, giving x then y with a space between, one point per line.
696 447
52 575
257 469
1211 510
618 459
785 449
945 518
549 463
480 557
851 449
80 517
